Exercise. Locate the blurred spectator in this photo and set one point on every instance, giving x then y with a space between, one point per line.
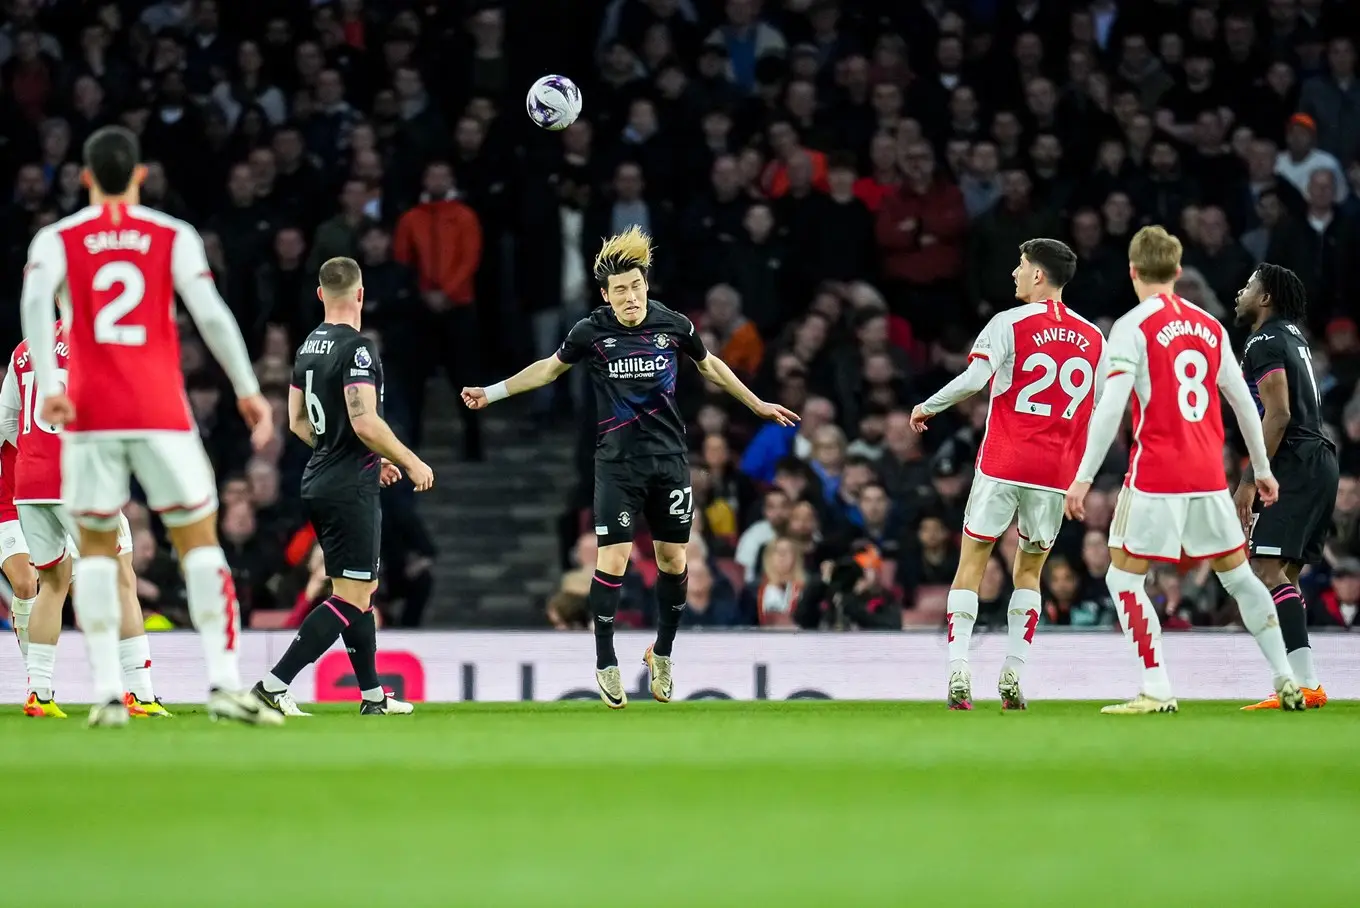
711 601
1340 603
781 582
756 537
739 341
1222 261
1332 100
1302 158
849 593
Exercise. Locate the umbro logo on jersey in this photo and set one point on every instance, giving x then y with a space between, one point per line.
610 342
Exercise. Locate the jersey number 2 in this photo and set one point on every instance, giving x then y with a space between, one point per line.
1075 377
315 414
108 328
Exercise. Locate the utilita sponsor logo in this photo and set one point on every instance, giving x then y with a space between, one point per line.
637 366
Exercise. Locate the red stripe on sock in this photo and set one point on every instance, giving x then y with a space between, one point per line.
1140 626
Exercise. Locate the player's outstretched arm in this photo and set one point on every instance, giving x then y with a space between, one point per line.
967 383
1100 434
534 375
361 400
298 423
721 374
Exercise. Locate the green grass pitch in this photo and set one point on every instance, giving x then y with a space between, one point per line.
701 805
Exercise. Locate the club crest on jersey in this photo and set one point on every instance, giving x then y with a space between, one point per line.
663 341
624 519
362 359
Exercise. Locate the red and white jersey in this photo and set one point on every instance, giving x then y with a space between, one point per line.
1046 376
8 511
37 477
1176 353
118 267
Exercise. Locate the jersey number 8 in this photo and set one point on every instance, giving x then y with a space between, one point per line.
1075 377
1192 396
315 414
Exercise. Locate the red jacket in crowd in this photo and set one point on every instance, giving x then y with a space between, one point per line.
921 234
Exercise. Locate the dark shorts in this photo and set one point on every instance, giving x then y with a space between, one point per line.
1295 528
657 488
350 534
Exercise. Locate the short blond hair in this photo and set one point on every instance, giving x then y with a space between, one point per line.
621 254
339 275
1155 255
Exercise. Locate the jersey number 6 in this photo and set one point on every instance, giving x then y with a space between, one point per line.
315 414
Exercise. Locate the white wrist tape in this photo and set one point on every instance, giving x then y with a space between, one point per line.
496 392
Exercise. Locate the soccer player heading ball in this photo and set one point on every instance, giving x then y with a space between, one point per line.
632 348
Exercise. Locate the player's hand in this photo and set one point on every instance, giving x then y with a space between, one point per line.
475 398
1074 505
1243 499
389 474
782 415
259 417
1269 490
918 418
421 476
58 410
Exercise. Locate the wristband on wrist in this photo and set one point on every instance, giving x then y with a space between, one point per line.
496 392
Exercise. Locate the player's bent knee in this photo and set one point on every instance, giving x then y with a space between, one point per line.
671 557
613 559
1028 568
1229 561
1126 562
22 576
358 593
197 533
973 555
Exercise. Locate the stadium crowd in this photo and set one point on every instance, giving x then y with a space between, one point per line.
837 191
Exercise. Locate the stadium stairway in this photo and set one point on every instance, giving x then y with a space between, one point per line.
495 522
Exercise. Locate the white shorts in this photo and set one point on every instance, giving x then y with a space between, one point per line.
171 467
993 504
54 534
12 541
1157 528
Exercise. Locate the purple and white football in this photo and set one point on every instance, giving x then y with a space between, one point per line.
554 102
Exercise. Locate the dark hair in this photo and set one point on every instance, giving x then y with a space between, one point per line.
111 154
841 160
1288 298
1056 259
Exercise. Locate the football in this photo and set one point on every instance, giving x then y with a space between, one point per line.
554 102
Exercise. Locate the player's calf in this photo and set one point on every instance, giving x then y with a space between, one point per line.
1259 616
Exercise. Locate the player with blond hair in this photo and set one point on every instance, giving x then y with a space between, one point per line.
632 348
1175 360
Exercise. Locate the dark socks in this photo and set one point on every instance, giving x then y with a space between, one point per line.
1293 616
672 590
605 590
319 630
361 641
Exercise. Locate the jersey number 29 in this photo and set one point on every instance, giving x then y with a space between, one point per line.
1074 376
315 414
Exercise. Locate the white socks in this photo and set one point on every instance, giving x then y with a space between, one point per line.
1259 616
212 606
1142 628
40 661
1305 672
1022 617
95 597
134 655
19 612
963 609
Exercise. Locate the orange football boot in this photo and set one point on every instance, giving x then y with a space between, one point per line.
1313 698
